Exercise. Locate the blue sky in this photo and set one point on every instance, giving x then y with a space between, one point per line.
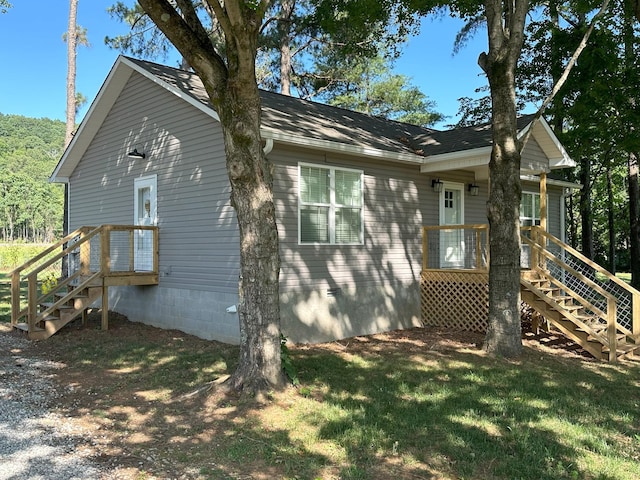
34 57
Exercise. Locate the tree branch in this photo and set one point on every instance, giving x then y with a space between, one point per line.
565 74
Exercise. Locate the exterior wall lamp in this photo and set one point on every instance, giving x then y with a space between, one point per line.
474 189
437 185
136 154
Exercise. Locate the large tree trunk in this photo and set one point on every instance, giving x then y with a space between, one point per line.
632 7
72 44
504 333
611 220
586 213
231 85
284 31
259 368
634 219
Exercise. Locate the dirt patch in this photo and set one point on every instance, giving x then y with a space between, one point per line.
144 416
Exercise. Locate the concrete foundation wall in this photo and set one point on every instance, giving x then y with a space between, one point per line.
198 313
315 316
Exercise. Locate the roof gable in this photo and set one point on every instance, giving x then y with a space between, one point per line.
309 124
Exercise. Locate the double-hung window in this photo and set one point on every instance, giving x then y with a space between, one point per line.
329 205
529 209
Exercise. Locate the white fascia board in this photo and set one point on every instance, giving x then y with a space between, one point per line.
337 147
475 157
176 91
100 107
552 181
562 158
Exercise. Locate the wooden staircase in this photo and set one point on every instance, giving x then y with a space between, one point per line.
62 282
580 299
64 308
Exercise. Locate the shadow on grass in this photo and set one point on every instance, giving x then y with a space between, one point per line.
376 408
480 417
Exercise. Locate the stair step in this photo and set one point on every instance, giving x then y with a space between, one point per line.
571 307
79 295
61 307
25 327
623 347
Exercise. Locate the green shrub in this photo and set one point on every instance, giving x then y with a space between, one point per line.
15 254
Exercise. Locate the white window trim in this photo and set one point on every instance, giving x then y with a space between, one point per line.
152 182
332 203
536 214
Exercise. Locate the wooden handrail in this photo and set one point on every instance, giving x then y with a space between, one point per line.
635 294
51 249
480 265
82 245
545 253
611 315
586 260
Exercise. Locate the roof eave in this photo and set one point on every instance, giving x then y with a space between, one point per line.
475 157
337 147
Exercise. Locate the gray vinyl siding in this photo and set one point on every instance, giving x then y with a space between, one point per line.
393 213
554 206
184 147
398 201
533 158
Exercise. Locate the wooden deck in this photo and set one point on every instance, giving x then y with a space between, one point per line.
60 283
572 294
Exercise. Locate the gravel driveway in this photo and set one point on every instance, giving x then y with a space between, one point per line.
34 442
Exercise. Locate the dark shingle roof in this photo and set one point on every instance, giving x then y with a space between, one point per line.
294 116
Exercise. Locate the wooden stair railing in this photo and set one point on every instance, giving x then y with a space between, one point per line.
579 298
41 311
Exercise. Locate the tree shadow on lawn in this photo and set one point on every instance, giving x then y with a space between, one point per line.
412 404
474 416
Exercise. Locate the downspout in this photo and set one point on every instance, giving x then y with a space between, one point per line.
268 146
543 201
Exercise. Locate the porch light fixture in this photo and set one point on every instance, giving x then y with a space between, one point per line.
474 189
136 154
436 184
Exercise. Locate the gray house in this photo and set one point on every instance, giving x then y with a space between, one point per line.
352 192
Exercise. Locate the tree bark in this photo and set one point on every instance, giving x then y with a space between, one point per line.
611 220
284 30
72 43
586 213
232 88
631 7
505 26
70 125
634 220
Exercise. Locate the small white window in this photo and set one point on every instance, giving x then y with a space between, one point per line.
529 209
330 205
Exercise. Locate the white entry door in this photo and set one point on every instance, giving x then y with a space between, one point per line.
146 213
452 213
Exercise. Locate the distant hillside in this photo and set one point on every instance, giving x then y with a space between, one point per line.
30 207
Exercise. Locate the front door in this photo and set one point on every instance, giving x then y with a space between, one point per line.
145 206
452 213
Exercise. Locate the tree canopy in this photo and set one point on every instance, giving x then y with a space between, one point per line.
30 207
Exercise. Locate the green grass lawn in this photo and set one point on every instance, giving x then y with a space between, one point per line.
407 405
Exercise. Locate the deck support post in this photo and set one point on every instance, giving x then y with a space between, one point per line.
105 307
543 201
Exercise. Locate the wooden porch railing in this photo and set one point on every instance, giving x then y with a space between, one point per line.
609 301
100 256
460 247
456 262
